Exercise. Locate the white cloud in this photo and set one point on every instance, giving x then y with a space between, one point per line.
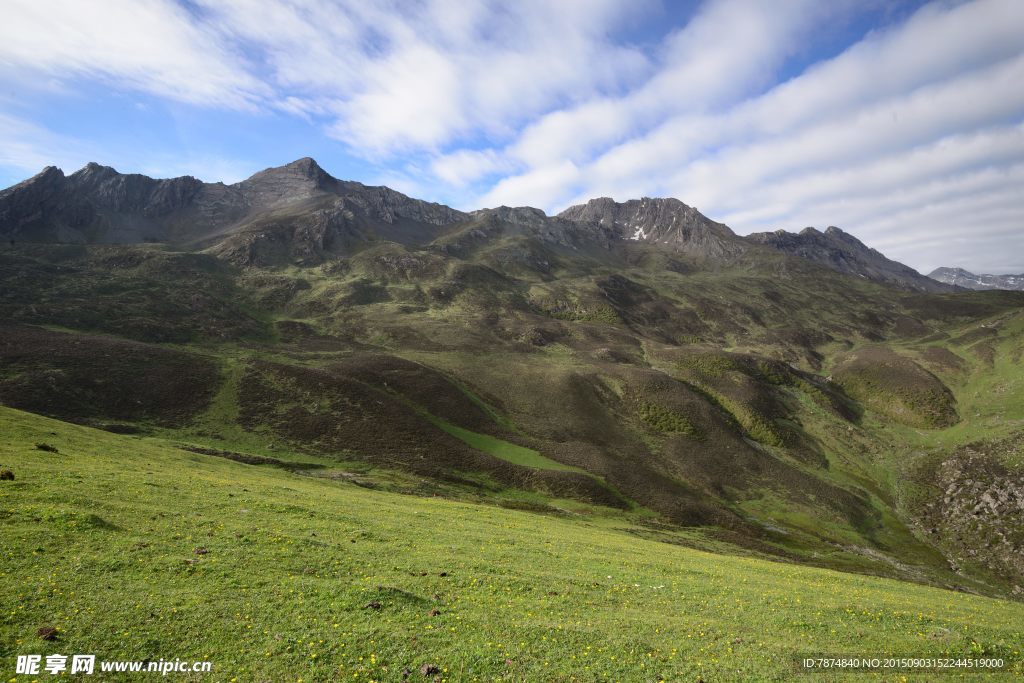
145 45
29 147
461 168
542 186
402 77
729 47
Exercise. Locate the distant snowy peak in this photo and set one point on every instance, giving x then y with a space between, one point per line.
965 278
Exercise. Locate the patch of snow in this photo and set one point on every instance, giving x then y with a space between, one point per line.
639 234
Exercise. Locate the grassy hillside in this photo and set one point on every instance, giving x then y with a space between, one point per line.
765 405
134 549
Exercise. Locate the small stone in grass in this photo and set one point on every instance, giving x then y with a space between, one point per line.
372 605
6 475
429 670
200 551
47 633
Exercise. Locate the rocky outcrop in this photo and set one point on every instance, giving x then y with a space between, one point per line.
978 513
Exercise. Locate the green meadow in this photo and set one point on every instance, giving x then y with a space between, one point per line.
134 549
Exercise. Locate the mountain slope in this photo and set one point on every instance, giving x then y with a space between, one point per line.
843 252
299 214
295 570
963 278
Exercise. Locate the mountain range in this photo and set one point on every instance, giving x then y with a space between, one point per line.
963 278
799 397
298 213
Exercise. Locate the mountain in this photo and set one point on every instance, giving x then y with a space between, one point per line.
296 212
636 364
843 252
300 214
963 278
658 221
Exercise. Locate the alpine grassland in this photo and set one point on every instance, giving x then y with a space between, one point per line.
134 548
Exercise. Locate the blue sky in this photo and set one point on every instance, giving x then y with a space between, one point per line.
901 122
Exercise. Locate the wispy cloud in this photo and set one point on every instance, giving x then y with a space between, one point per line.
27 147
147 45
394 77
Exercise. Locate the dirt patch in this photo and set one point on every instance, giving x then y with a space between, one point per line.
249 459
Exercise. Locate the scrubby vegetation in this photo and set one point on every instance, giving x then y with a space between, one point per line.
763 409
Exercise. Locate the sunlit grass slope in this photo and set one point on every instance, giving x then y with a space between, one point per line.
133 549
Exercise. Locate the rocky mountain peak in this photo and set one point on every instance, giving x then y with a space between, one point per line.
48 177
299 179
660 220
93 169
841 251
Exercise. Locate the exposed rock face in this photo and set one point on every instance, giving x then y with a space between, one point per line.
93 204
964 278
978 516
663 221
842 251
296 212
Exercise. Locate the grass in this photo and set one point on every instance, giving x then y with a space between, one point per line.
510 452
99 540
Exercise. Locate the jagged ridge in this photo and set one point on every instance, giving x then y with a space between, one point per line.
298 213
843 252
